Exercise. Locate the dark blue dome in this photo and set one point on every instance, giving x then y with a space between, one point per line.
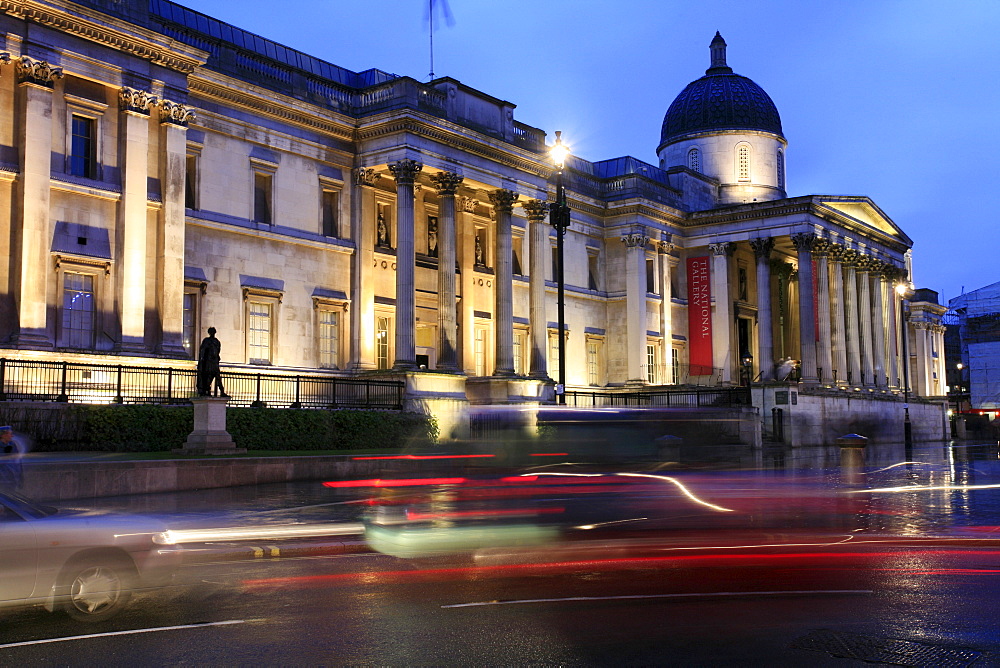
720 100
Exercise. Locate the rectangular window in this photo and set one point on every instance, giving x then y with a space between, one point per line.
517 245
650 276
382 342
330 206
189 331
520 348
83 145
259 332
592 271
262 197
480 351
593 362
675 365
554 353
79 311
652 377
329 339
191 182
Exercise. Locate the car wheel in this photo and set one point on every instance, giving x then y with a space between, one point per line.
96 589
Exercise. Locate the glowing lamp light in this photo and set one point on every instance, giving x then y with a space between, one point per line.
559 151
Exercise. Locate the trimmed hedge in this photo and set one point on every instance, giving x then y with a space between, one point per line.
163 428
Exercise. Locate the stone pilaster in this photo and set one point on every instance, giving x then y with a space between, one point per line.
635 305
503 310
762 247
851 318
879 324
838 335
130 233
807 299
405 172
170 241
824 351
892 327
722 315
668 264
30 255
865 318
538 250
447 184
363 212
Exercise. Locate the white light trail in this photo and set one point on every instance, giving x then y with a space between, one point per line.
123 633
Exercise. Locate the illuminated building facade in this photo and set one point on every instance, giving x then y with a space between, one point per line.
163 172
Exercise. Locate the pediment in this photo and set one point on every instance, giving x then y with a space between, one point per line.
867 214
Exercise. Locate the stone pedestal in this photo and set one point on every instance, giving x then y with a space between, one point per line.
210 436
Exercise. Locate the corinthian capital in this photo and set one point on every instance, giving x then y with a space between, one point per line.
4 58
635 239
405 171
135 100
722 248
804 243
447 183
37 72
762 247
503 200
366 176
175 113
535 209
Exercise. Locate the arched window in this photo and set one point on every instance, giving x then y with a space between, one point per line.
781 169
742 162
694 159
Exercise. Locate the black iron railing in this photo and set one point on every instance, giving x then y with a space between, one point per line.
701 397
75 382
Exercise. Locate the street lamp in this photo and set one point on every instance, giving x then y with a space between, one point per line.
905 292
747 360
559 219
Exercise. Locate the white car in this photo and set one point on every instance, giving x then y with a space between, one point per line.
87 564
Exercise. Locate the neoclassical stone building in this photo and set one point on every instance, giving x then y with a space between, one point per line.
162 172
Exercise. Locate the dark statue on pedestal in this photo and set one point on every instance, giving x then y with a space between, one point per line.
209 355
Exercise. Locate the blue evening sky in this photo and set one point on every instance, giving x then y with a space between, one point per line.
894 99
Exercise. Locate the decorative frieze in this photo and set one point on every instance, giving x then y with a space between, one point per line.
446 183
366 176
135 100
503 200
405 171
175 113
37 72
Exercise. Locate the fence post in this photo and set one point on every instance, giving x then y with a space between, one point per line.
170 383
296 403
257 403
3 375
62 386
118 395
333 385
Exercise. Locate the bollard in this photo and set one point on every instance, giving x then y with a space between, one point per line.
852 457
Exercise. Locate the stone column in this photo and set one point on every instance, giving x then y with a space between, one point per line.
538 249
922 358
362 355
762 247
447 185
503 310
174 119
635 305
879 322
466 235
851 318
838 336
130 233
667 266
30 256
807 298
865 317
722 315
892 327
405 172
824 350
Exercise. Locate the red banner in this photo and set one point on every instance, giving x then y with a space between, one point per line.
699 316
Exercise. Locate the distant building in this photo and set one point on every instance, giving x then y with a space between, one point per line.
163 171
978 314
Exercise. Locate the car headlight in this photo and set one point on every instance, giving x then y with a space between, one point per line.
164 538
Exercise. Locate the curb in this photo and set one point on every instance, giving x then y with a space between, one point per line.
217 552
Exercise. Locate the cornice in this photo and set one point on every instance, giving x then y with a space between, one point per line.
436 133
312 120
101 29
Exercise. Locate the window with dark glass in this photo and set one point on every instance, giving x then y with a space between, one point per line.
592 272
79 311
650 276
330 207
262 198
83 145
191 182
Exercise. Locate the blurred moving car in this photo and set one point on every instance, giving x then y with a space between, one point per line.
87 564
